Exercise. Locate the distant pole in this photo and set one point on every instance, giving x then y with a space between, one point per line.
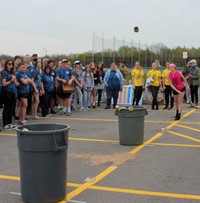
139 52
131 53
146 55
114 49
93 46
102 47
45 51
123 48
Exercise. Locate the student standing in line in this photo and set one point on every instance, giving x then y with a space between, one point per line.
88 84
36 77
138 82
23 82
48 84
167 89
9 94
100 86
64 76
78 95
114 83
194 82
177 82
155 74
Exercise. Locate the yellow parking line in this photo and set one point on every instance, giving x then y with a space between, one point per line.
175 145
7 134
149 193
192 123
89 184
5 177
137 149
119 190
112 168
92 140
83 119
74 138
187 127
184 136
9 177
101 119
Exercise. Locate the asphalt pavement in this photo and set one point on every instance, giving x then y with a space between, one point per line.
164 169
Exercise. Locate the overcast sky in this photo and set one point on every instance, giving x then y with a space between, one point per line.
66 26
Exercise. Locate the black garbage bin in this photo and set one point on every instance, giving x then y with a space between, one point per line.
43 162
131 125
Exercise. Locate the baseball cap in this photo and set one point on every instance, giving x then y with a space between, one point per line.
172 65
77 62
64 60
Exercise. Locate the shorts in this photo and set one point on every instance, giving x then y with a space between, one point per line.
22 96
176 93
65 95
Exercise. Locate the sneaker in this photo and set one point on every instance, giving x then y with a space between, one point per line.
52 111
81 109
107 107
62 112
171 107
7 127
187 102
165 108
36 118
94 107
69 114
191 105
196 106
76 109
12 125
88 107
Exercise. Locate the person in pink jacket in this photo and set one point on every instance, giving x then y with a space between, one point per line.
177 82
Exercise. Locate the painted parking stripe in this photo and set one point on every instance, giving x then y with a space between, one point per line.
184 136
187 127
85 186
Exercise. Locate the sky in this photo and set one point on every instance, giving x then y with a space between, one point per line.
66 26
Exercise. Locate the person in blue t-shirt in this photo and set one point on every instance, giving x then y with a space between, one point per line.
29 70
23 91
9 94
53 98
36 77
114 83
64 76
48 84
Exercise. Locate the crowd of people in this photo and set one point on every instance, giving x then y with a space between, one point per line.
30 85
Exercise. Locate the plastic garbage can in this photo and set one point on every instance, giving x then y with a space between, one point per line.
131 125
43 162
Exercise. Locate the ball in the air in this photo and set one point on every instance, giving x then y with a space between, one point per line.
136 29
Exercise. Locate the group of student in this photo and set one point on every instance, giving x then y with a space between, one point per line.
30 85
173 83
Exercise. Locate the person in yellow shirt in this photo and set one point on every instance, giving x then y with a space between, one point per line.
138 82
155 74
167 88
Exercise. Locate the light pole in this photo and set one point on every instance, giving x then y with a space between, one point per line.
45 51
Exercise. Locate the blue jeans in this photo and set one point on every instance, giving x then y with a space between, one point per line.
86 97
78 96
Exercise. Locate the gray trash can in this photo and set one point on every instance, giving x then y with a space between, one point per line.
43 162
131 126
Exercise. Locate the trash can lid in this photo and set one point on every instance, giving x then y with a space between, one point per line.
44 128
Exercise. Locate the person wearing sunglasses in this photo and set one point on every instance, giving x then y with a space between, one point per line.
9 94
